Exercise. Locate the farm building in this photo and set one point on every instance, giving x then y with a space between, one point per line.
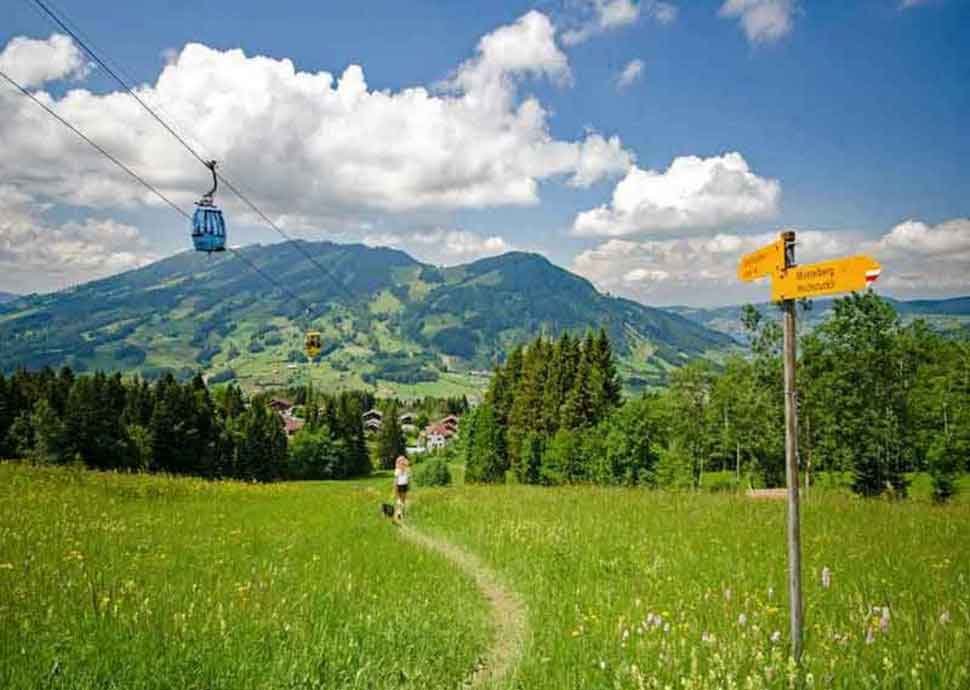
292 425
282 406
439 434
372 420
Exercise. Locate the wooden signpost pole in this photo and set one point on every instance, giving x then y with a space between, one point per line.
791 465
788 283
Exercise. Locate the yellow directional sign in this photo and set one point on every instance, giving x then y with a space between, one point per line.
824 278
768 260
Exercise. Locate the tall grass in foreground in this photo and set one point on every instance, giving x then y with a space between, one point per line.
640 589
134 582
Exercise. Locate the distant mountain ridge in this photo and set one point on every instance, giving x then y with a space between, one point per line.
7 297
386 319
949 314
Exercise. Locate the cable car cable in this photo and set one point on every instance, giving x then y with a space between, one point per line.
238 254
94 56
90 51
66 18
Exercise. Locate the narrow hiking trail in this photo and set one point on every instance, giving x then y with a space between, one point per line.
508 611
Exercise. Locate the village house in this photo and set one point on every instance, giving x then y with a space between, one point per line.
292 425
439 434
284 407
373 419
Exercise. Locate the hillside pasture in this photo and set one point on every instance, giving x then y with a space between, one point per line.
149 582
136 582
631 588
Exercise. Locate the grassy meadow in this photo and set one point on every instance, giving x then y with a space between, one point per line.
640 589
113 581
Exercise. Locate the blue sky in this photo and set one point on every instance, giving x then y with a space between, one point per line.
849 120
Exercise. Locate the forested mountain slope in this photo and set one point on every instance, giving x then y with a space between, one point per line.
385 318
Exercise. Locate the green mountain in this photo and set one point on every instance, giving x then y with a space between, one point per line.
387 320
950 315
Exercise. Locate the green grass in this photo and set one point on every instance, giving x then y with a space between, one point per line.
632 588
448 384
146 582
385 303
111 581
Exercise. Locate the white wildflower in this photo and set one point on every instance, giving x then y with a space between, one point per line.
884 620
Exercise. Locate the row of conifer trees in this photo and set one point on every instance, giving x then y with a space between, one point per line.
878 400
108 422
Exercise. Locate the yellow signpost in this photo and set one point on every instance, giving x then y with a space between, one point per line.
767 261
788 283
824 278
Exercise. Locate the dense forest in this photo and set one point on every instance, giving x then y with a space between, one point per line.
108 423
877 400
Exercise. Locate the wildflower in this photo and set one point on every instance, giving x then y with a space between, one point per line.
707 638
742 620
771 592
776 637
6 566
944 618
884 620
727 594
602 665
666 628
870 635
826 577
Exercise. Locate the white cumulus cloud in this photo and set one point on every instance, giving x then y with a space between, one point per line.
763 21
601 16
949 240
693 194
443 247
917 259
313 149
673 270
34 62
630 73
923 258
36 254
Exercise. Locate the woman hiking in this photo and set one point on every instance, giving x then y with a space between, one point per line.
402 477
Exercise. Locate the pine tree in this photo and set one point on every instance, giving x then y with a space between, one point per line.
528 469
577 410
261 449
485 455
390 439
525 414
6 416
608 391
558 382
50 446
